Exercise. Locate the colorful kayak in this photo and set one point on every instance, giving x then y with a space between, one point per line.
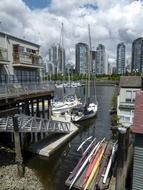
85 154
92 163
96 166
84 165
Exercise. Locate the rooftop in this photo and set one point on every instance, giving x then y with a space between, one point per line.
18 39
131 81
138 114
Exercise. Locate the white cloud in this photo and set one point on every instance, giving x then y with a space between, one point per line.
112 22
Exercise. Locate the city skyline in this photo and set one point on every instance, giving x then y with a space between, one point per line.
111 22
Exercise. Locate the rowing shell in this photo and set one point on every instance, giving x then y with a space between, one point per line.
109 163
103 164
83 165
85 154
92 162
96 166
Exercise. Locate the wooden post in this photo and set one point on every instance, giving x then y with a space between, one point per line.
32 108
18 159
43 108
27 111
121 158
38 111
49 109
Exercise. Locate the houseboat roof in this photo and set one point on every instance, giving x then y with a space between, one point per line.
138 114
131 81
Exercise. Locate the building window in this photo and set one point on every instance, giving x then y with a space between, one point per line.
128 96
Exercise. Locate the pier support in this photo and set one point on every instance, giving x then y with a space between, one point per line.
27 111
32 108
49 109
18 159
37 110
43 108
121 160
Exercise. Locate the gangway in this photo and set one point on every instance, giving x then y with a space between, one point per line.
29 124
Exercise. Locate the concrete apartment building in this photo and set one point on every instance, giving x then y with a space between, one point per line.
121 49
101 60
128 87
57 58
81 58
20 60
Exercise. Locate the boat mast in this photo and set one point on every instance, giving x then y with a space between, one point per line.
62 51
89 66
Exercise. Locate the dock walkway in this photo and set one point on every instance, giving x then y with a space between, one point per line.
45 148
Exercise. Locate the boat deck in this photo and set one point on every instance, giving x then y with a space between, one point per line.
78 183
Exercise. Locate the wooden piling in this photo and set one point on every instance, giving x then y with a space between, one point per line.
27 111
37 110
49 109
32 107
18 159
121 160
43 108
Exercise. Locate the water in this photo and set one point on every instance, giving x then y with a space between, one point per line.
54 172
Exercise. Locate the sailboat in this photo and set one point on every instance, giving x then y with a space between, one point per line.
89 109
70 101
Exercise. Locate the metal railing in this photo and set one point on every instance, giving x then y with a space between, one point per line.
27 58
30 124
17 89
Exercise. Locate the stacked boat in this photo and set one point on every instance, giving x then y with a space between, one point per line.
93 170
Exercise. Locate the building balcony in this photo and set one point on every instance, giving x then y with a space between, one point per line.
126 105
27 60
3 56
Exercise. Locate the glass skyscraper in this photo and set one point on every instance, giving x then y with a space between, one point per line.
137 56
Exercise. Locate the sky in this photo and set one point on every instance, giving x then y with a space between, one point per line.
39 21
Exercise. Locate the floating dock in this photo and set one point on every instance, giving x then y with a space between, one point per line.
47 148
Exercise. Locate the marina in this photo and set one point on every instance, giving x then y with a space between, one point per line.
55 171
71 95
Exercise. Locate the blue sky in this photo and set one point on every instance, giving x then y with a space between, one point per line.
34 4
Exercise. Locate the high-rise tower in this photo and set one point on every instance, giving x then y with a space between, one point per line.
81 57
100 59
137 55
121 58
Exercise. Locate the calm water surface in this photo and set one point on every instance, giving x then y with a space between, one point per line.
54 172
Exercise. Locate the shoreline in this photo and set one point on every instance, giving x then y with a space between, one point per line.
9 180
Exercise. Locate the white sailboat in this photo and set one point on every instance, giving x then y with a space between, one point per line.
90 109
60 107
70 101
